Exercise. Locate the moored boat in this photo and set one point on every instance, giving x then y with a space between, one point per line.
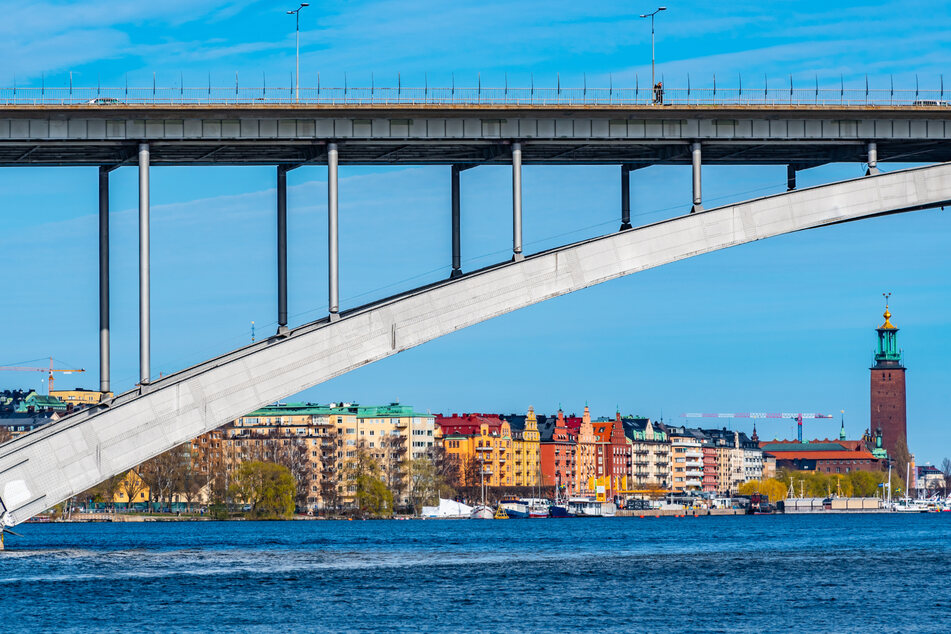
481 512
589 507
515 508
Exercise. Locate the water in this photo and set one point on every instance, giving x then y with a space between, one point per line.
830 573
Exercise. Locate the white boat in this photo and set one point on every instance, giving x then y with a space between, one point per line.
537 507
447 509
482 512
588 507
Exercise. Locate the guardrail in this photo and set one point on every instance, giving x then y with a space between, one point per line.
634 96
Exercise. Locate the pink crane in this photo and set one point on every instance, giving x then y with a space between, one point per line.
798 416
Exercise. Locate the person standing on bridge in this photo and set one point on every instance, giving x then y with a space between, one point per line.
659 92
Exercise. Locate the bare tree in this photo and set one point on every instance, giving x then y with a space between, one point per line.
5 434
946 470
131 485
165 473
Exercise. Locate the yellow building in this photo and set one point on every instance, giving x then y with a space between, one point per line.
80 396
131 490
526 455
480 443
587 455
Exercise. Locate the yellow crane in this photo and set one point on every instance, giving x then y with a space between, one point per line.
50 370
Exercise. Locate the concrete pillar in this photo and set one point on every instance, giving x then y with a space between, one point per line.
144 275
104 382
332 254
281 249
625 197
517 201
697 195
872 159
456 224
790 178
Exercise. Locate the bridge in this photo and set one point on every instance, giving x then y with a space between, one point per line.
56 462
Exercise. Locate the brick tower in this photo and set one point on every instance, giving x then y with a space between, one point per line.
888 390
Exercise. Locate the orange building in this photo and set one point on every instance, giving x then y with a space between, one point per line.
558 454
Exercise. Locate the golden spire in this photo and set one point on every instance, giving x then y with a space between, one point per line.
887 315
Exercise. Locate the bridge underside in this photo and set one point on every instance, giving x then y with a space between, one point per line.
801 153
55 462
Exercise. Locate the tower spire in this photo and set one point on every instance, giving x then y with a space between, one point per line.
842 428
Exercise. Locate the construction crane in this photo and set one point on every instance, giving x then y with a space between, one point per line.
50 370
798 416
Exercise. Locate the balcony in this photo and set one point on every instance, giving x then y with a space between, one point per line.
694 474
693 454
402 424
483 448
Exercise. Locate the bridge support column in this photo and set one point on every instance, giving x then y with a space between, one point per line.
282 249
104 356
872 159
790 178
696 161
517 201
625 197
332 254
456 224
144 274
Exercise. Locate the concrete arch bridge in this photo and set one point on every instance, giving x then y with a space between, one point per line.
58 461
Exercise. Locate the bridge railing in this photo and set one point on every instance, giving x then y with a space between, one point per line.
388 95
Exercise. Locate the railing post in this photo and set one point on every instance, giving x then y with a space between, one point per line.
456 224
144 275
104 357
790 177
696 161
281 249
872 159
332 254
517 201
625 197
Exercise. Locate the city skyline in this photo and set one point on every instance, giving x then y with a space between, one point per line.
782 325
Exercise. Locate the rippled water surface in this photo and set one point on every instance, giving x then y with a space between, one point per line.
882 573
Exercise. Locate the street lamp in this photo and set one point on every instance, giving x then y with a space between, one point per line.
296 14
651 16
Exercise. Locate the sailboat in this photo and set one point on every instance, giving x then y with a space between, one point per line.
482 512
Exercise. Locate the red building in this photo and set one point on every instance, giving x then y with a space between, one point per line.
887 391
557 450
825 456
614 456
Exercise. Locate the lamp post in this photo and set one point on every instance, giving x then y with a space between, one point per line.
651 16
296 14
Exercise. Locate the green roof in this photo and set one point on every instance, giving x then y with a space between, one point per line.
313 409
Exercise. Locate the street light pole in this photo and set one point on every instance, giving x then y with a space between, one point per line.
296 14
651 16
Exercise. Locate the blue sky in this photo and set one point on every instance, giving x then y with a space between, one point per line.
781 325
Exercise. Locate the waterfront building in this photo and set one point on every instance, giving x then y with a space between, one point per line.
929 480
480 442
887 390
825 456
686 459
711 479
558 454
587 455
613 468
650 448
526 437
132 492
317 443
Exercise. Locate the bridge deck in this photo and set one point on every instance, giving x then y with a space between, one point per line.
383 134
